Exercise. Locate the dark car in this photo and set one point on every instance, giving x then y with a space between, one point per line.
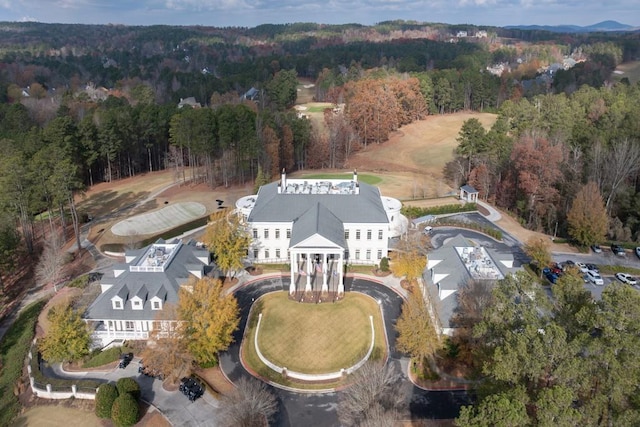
617 250
191 388
550 275
125 359
593 267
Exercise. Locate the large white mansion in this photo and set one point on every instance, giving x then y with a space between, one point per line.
318 225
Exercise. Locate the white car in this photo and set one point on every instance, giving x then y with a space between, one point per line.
595 278
626 278
428 229
582 266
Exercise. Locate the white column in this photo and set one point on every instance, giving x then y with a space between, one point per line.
307 288
341 274
325 267
292 260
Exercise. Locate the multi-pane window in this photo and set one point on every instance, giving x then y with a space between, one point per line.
128 325
288 233
117 304
357 253
368 234
379 253
266 233
380 234
357 234
346 234
255 254
255 233
277 233
156 305
278 253
266 253
368 253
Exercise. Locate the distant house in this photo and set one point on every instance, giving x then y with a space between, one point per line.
453 265
462 34
481 34
251 95
136 292
189 102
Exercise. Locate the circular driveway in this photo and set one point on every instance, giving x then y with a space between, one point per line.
320 410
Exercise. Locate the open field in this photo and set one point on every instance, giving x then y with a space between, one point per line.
317 338
408 166
63 416
630 70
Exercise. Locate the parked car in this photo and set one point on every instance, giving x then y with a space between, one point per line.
582 267
617 250
557 269
125 359
191 388
626 278
596 248
569 263
593 267
550 275
637 250
595 278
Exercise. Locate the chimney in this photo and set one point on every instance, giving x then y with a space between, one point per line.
283 181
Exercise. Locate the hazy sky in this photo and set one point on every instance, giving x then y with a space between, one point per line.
249 13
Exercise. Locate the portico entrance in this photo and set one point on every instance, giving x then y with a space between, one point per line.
316 274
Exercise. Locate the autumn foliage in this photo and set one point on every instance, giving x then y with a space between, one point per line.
587 217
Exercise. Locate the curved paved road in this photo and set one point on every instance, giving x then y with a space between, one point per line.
297 409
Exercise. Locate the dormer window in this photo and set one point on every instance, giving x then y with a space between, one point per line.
156 305
117 304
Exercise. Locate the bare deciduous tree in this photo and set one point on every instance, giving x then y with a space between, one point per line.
166 351
613 166
251 404
51 265
374 397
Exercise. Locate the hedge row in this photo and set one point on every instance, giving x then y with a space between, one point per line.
490 231
416 212
101 358
13 350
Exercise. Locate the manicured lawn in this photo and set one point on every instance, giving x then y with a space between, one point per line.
366 178
317 338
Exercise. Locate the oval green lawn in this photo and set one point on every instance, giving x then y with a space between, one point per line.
317 338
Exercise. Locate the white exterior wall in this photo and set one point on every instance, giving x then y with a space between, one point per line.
363 244
272 243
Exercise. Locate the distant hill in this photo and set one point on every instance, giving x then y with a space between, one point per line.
599 27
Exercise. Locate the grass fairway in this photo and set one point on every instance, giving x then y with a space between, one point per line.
366 178
317 338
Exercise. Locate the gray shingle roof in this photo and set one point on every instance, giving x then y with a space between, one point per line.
165 285
365 207
318 220
468 189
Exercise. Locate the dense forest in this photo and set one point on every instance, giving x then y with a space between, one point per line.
81 104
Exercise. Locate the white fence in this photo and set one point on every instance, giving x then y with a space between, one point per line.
47 391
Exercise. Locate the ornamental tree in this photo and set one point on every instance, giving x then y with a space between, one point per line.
210 317
587 217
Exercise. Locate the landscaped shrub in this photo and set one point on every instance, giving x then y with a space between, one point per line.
105 398
417 212
384 264
125 411
490 231
128 385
